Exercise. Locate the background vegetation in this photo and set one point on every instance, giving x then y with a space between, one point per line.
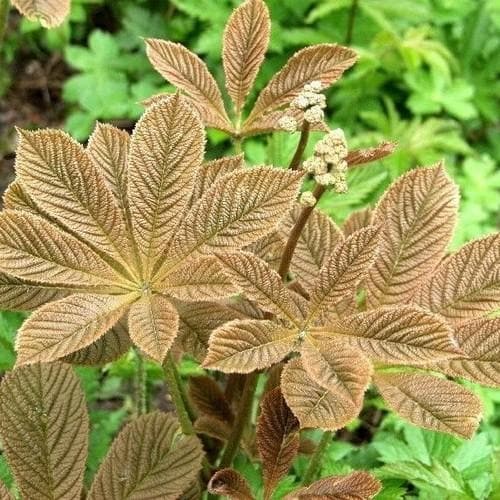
428 78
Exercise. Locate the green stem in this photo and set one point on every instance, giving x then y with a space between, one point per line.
350 22
175 388
301 147
242 419
237 143
312 470
4 18
140 385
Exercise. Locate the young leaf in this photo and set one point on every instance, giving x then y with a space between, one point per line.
213 427
261 284
479 340
243 346
325 63
344 269
362 156
150 458
467 284
357 220
50 13
63 181
417 216
312 404
63 327
357 485
153 322
316 242
230 483
431 402
209 398
398 334
246 38
44 430
277 439
187 71
165 152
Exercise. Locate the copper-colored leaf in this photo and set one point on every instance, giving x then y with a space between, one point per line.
44 430
269 248
231 484
213 427
63 181
153 324
344 269
362 156
165 152
479 340
336 367
261 284
431 402
398 334
211 171
357 220
209 398
325 63
312 404
277 439
32 248
108 148
150 458
237 210
50 13
417 217
243 346
67 325
199 279
358 485
316 242
19 295
4 492
106 349
246 38
17 198
467 284
187 71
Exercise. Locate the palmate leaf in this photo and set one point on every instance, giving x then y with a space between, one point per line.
17 198
150 458
231 484
466 284
277 439
417 216
4 492
246 38
242 346
44 430
50 13
357 220
188 72
431 402
357 485
209 398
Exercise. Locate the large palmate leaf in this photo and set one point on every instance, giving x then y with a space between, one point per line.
150 458
165 152
277 439
325 63
431 402
44 430
402 334
187 71
243 346
231 484
417 216
246 38
467 284
67 325
315 243
50 13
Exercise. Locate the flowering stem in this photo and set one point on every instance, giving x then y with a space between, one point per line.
295 233
140 385
350 22
312 470
304 138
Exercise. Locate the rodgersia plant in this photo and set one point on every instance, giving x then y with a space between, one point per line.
136 240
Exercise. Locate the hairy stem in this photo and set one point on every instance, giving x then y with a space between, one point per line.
4 18
350 22
237 143
295 233
242 419
176 393
140 385
312 470
304 138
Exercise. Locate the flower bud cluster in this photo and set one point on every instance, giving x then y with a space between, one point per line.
307 199
329 165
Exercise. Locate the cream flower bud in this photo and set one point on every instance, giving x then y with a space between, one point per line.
300 102
325 179
287 123
307 199
314 115
341 186
314 86
314 165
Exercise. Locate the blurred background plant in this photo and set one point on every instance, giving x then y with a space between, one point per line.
427 78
